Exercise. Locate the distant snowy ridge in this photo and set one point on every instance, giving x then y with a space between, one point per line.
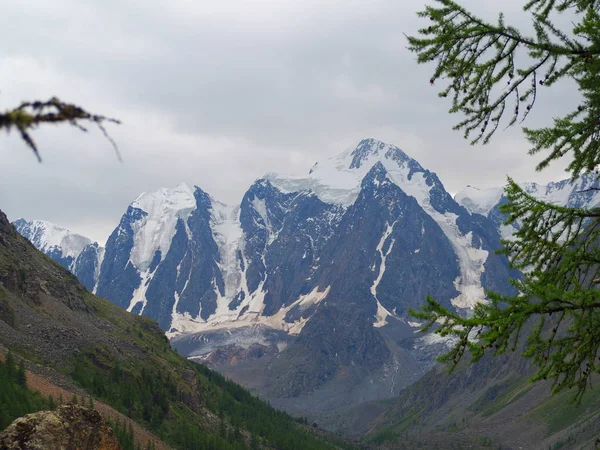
582 193
479 201
74 252
47 237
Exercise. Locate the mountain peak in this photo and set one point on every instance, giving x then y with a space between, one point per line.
338 179
179 197
373 147
377 175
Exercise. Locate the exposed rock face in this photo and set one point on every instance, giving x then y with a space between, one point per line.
70 427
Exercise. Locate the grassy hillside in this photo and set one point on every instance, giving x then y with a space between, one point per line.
488 405
49 318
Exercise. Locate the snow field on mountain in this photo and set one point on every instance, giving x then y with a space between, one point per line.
228 234
139 295
155 230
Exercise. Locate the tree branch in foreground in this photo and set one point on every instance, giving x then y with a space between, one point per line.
31 114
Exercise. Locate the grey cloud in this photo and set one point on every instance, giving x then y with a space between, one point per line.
218 93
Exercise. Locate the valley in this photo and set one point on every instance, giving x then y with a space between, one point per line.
301 292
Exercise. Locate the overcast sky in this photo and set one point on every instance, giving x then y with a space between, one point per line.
216 93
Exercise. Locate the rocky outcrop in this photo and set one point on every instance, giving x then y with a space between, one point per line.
70 427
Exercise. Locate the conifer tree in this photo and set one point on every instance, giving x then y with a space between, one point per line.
11 369
21 376
494 73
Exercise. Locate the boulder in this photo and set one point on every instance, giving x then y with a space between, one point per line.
69 427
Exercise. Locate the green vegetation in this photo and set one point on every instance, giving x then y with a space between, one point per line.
499 396
492 70
156 395
124 433
558 413
16 399
387 434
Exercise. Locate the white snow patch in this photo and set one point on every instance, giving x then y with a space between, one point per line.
261 208
155 231
183 323
382 314
175 316
559 193
101 252
139 295
434 338
479 201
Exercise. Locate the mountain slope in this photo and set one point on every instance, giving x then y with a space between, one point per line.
490 404
47 316
74 252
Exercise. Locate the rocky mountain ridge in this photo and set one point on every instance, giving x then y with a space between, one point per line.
318 271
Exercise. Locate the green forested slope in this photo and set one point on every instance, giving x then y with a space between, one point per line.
15 399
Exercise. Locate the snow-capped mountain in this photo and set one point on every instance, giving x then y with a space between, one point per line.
582 193
308 281
317 270
75 252
194 264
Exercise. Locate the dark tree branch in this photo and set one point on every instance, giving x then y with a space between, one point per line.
32 114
